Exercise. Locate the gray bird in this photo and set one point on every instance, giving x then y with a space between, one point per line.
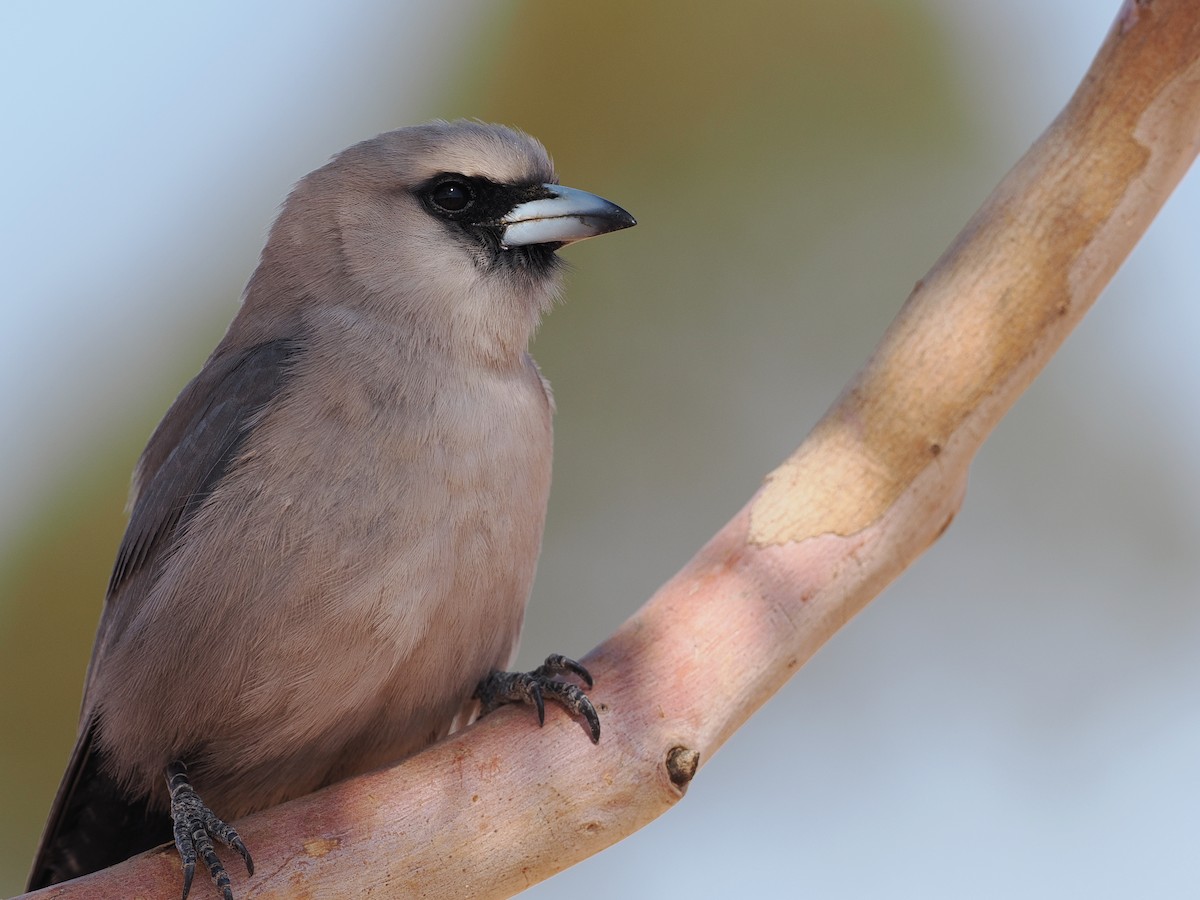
334 528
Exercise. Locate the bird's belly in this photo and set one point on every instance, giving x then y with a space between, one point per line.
420 597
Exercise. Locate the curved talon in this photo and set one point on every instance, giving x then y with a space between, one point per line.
240 847
557 664
583 674
588 711
535 691
189 869
575 700
593 720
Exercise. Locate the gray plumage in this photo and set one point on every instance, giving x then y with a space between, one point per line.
335 527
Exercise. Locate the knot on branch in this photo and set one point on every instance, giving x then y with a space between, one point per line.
682 763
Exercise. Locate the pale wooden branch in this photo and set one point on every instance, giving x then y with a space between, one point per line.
503 805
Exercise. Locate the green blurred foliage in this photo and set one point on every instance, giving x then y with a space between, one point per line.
754 142
54 579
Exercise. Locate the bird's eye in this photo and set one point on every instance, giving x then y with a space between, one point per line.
452 196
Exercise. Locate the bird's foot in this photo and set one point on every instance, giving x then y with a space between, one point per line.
531 687
195 827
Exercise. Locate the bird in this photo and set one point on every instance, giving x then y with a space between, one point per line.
334 529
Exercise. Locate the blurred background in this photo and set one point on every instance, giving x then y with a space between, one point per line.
1016 716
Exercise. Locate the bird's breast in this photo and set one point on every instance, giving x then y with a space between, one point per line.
430 500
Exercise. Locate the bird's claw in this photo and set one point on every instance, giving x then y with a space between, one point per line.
531 688
195 827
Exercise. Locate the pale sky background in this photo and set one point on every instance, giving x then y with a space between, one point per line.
123 115
1016 717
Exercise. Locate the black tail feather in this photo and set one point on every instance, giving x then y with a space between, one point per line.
94 823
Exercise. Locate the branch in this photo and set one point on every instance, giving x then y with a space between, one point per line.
503 805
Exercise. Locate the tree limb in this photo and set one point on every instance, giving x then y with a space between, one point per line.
503 805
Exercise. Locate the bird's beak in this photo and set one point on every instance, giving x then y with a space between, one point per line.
568 216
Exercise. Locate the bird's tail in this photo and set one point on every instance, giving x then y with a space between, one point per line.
94 823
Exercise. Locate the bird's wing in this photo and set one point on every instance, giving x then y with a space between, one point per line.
193 447
191 450
93 822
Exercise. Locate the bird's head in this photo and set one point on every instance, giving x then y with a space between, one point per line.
451 227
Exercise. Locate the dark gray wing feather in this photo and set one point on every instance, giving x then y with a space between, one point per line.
203 450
